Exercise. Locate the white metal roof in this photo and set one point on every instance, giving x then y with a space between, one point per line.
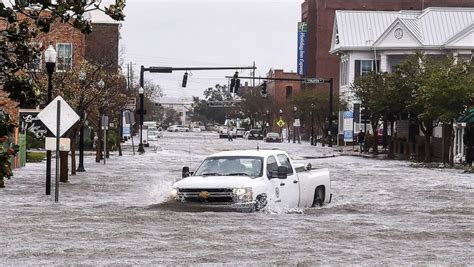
431 27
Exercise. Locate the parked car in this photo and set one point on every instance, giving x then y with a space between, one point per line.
272 137
154 133
223 132
178 128
255 134
250 180
196 128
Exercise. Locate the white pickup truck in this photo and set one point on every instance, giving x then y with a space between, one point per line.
250 180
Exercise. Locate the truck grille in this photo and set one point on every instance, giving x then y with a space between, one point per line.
217 195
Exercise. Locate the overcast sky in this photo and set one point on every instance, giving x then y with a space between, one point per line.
180 33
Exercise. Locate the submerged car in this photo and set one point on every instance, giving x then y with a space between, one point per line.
272 137
249 180
255 134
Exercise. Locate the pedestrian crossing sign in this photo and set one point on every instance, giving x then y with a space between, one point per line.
281 123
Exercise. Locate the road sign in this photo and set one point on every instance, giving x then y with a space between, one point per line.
281 123
67 119
313 80
297 123
64 144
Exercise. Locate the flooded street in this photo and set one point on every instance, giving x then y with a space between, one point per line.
383 212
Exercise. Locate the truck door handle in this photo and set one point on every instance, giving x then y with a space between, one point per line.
295 182
282 184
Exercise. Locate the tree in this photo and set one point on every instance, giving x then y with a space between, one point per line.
204 113
372 90
320 108
81 88
446 90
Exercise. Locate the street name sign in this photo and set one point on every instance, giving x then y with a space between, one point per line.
313 80
67 119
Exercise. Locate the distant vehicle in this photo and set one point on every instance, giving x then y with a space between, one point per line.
272 137
255 134
239 132
177 128
249 180
195 128
150 123
154 133
223 132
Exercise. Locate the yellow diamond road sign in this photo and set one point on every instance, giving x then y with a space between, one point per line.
281 123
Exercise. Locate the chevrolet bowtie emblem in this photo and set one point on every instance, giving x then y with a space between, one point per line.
203 195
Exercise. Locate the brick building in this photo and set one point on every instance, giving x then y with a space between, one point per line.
319 15
281 91
72 46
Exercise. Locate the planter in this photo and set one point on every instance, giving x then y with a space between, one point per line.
35 156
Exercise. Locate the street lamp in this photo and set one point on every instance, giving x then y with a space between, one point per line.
312 125
140 146
294 121
280 112
268 121
98 157
80 168
50 57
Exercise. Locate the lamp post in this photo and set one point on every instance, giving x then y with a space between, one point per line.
268 121
280 112
140 146
80 168
98 150
294 121
50 57
312 125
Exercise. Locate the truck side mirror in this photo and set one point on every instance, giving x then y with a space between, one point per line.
185 172
282 172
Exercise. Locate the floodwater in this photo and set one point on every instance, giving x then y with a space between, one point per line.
383 212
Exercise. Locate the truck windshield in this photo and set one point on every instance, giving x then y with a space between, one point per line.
231 166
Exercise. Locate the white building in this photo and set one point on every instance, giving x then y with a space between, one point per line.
181 104
379 40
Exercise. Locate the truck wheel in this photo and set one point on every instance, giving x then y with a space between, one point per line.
318 196
260 202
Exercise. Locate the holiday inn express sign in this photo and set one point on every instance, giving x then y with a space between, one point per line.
302 38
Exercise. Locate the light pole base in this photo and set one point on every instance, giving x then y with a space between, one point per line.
141 150
80 169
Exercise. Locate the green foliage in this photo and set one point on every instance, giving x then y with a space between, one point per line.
373 91
205 114
33 142
7 151
35 156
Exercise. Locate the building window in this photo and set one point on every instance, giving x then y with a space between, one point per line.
289 91
64 61
364 67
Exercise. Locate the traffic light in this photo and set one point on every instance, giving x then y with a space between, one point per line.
185 79
232 84
237 85
264 88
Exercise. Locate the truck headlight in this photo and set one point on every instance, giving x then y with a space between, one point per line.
174 193
240 191
242 194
